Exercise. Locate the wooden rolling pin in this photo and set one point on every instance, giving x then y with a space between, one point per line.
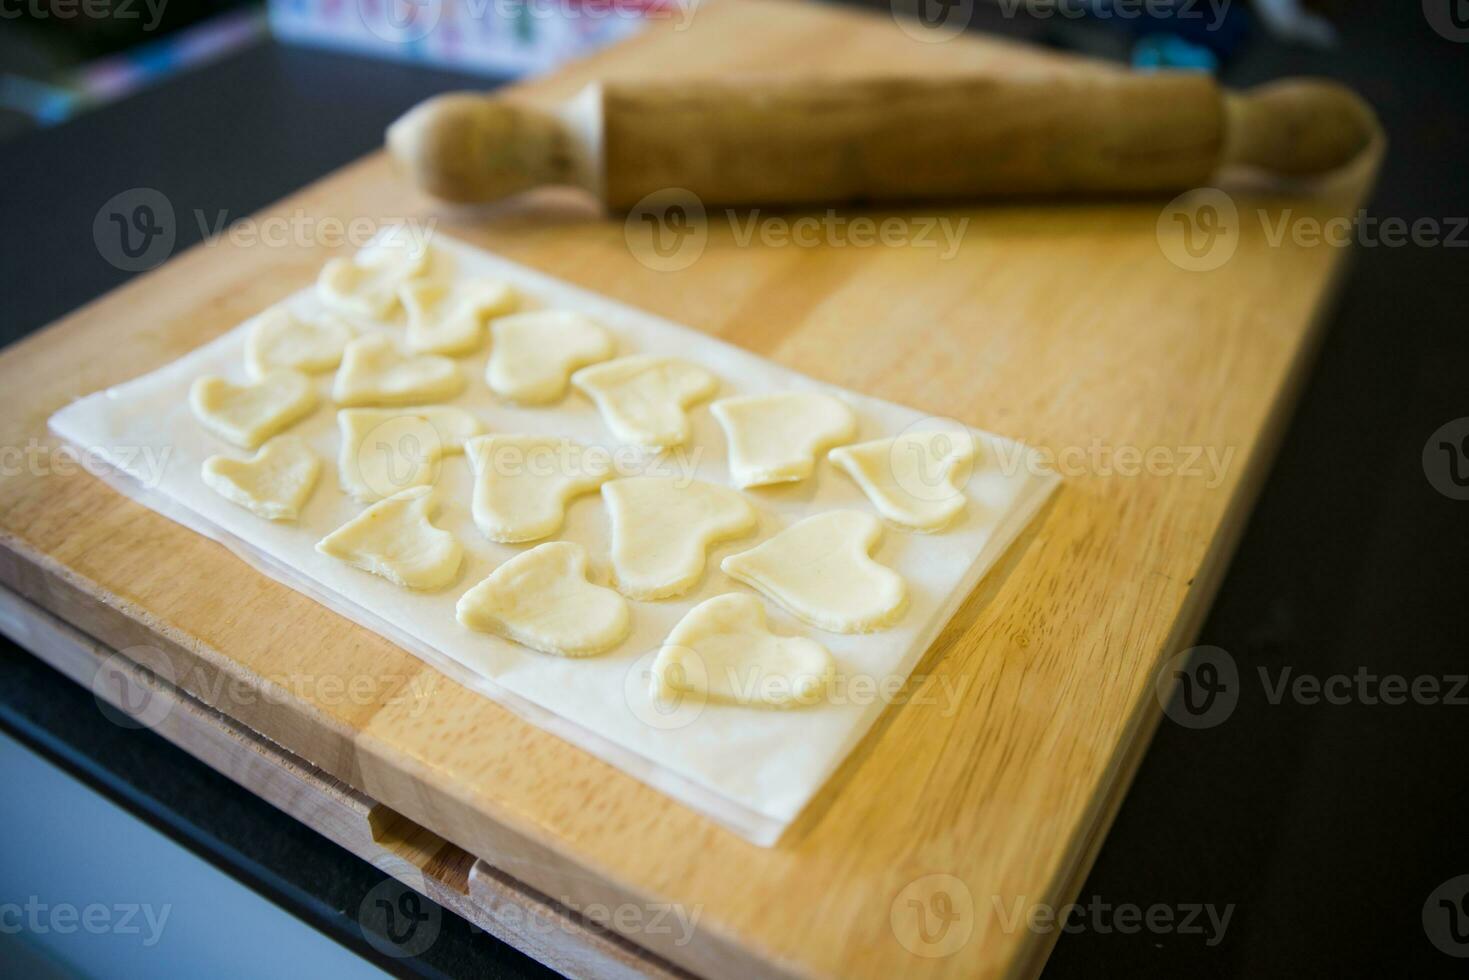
785 140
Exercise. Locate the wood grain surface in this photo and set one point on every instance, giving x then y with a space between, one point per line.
1068 327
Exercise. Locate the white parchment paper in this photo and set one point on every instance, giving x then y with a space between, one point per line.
751 769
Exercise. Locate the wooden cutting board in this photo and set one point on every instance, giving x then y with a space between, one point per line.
1066 326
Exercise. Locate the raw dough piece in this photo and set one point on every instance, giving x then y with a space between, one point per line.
522 484
533 354
249 414
661 531
394 538
375 372
775 438
722 650
915 479
643 398
819 569
542 599
385 450
367 284
280 340
449 318
275 483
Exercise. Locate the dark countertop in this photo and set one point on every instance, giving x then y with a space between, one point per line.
1325 825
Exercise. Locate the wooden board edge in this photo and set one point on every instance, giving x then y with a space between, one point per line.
470 888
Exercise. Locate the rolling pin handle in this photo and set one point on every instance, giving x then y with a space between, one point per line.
1297 127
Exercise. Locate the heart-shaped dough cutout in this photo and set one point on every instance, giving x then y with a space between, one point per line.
643 399
915 479
819 570
775 438
449 318
396 538
542 599
532 355
281 341
249 414
385 450
367 284
522 484
275 483
662 529
375 372
722 650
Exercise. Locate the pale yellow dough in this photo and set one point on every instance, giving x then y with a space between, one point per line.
375 372
819 570
542 599
722 650
275 483
662 530
533 354
644 399
396 538
249 414
385 450
775 438
449 318
915 479
522 484
367 284
281 341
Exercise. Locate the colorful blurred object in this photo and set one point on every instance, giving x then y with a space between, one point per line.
497 37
